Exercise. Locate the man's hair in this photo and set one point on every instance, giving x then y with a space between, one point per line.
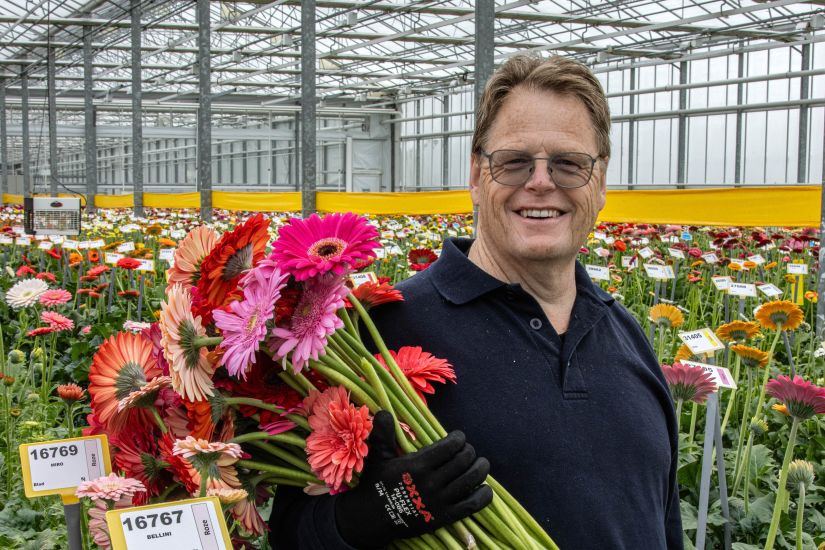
555 74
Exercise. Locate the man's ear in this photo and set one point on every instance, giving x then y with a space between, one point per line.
475 178
602 183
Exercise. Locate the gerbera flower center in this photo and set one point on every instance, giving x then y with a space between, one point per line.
779 317
130 378
187 342
239 262
326 249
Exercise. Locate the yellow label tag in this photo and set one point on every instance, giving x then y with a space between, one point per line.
58 467
180 525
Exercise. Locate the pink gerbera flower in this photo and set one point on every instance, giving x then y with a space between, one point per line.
802 398
111 487
306 248
421 368
56 321
55 297
337 445
688 383
246 325
305 334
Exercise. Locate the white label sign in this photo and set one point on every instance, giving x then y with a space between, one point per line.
60 464
645 252
798 269
146 265
676 253
710 258
189 524
57 239
97 243
45 245
742 289
598 272
177 233
629 262
601 235
702 341
126 247
6 240
23 241
757 259
659 271
721 282
359 279
721 376
70 244
768 246
83 245
769 290
112 257
167 254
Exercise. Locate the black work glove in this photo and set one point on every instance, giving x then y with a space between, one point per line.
406 496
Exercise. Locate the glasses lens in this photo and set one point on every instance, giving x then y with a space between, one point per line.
511 167
571 169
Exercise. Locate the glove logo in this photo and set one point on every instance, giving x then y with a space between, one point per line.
415 496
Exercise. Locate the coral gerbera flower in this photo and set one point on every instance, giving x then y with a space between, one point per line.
189 367
246 325
145 396
191 251
421 258
374 294
128 263
70 393
338 443
306 248
421 368
780 315
110 487
802 398
666 315
122 364
750 357
737 331
236 252
314 318
688 383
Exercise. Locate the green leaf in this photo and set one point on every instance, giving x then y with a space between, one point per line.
689 516
743 546
762 508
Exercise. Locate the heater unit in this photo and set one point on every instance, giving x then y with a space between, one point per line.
52 215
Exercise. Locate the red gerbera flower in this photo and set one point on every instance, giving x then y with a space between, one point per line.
39 331
54 253
98 270
236 252
199 414
421 368
316 245
374 294
128 263
25 270
421 258
46 276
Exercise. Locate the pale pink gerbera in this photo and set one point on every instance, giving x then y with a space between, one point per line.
190 253
55 297
803 399
246 513
246 325
145 396
189 367
316 245
306 331
192 446
111 487
216 458
56 321
338 443
421 368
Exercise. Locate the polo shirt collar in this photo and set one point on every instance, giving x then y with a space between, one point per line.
460 281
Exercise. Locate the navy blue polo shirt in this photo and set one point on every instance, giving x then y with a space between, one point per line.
580 429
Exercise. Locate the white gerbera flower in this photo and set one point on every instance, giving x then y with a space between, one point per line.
25 293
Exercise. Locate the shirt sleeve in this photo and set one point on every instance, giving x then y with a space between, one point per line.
303 522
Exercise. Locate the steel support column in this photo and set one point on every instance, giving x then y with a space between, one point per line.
484 46
52 101
137 118
4 153
445 144
804 86
204 111
681 166
308 158
90 141
24 113
631 135
820 305
740 92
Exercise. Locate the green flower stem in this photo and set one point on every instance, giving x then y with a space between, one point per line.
285 438
483 540
304 381
509 517
284 481
783 478
746 470
679 415
206 341
662 332
694 414
800 514
69 419
283 455
158 420
204 472
522 514
286 473
758 413
339 379
350 326
742 427
290 381
345 372
448 540
298 419
495 525
732 397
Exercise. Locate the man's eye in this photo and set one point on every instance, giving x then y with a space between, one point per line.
516 163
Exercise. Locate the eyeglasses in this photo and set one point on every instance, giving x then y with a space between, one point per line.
515 168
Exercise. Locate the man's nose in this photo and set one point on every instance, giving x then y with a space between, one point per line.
541 178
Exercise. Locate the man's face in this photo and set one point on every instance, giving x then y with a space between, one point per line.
512 221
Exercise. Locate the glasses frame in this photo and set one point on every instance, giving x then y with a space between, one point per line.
549 160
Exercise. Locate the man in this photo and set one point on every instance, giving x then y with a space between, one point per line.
557 386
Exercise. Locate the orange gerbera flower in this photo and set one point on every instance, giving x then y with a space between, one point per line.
667 315
163 241
769 265
780 315
737 331
749 264
189 255
750 357
812 296
235 253
684 354
123 364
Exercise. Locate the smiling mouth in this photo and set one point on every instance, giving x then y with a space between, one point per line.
539 214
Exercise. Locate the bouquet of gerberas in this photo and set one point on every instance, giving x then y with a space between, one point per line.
256 376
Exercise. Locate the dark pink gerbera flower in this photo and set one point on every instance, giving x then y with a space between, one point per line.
316 245
688 383
803 399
